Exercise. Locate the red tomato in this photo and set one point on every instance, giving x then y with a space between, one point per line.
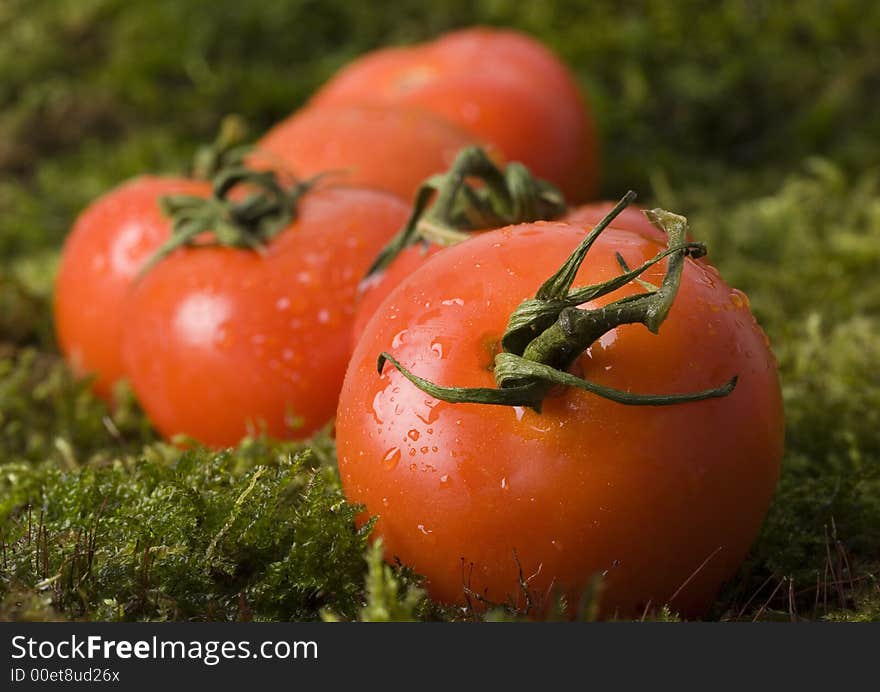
109 243
631 219
502 86
664 501
377 287
393 149
218 338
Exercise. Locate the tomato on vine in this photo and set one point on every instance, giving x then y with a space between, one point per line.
241 322
622 418
451 207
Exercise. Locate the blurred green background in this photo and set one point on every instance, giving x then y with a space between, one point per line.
758 120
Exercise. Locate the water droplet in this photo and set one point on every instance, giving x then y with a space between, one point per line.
557 544
392 456
444 478
519 412
424 450
412 452
608 338
413 434
399 338
384 501
453 301
739 299
504 485
437 349
377 405
424 530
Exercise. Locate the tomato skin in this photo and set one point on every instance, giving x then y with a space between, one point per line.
109 243
218 338
658 497
376 288
502 86
631 219
392 149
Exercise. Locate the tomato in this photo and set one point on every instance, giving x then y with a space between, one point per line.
664 501
502 86
378 286
109 243
393 149
631 219
219 340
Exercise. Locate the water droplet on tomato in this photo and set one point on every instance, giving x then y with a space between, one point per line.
392 456
377 406
413 434
739 299
399 338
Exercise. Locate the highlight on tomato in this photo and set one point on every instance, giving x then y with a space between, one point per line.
389 148
502 86
241 322
556 403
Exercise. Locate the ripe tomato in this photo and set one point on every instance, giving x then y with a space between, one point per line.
218 338
109 243
378 286
502 86
393 149
630 219
663 501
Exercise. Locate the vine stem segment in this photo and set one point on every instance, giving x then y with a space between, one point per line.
546 334
447 206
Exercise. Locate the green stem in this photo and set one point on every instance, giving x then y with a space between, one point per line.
449 206
250 222
227 149
547 334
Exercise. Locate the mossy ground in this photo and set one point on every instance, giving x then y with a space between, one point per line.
755 119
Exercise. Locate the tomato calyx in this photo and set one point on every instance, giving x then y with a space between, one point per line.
227 149
546 334
249 222
447 206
